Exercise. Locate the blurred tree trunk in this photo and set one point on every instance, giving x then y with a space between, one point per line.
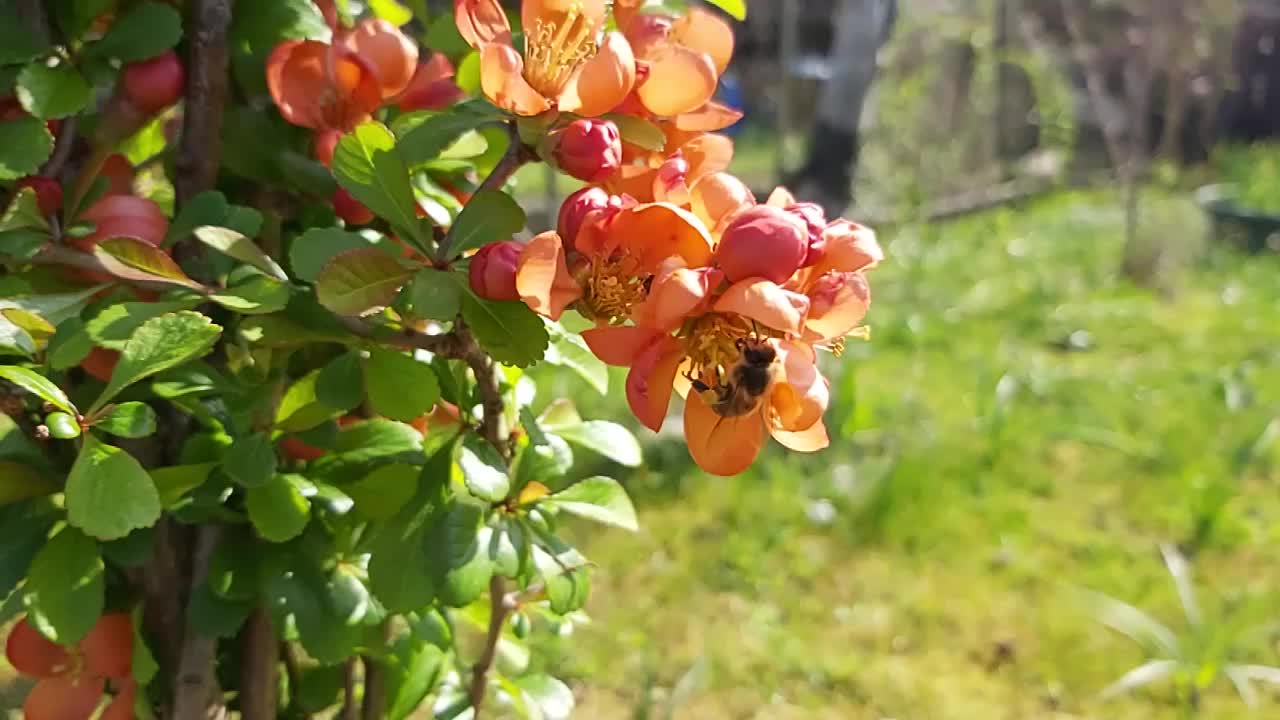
862 27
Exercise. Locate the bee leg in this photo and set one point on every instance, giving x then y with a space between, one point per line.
700 386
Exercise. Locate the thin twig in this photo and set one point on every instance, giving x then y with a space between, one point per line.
517 156
450 345
499 607
350 708
259 656
293 670
62 148
485 371
196 692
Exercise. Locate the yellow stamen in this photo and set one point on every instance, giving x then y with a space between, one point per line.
711 342
613 288
552 53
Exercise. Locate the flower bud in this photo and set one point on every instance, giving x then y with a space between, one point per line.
154 84
493 271
48 193
119 174
326 143
578 207
123 216
351 210
762 242
588 149
815 220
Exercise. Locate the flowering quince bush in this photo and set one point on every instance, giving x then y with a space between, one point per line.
268 442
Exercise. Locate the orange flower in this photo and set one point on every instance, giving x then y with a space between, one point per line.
565 65
682 57
70 681
616 252
337 86
433 86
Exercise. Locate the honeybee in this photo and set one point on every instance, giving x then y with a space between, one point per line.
748 380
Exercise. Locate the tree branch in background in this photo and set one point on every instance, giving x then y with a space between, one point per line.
260 652
499 607
196 694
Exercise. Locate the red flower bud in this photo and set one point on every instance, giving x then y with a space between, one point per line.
578 207
762 242
119 174
351 210
493 270
48 193
116 216
587 149
326 143
155 84
816 222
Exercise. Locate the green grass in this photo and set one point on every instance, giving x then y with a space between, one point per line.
1023 425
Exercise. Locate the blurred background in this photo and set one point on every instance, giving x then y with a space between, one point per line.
1057 459
1075 360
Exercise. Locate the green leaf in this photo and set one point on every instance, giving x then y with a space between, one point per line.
62 426
570 351
301 591
385 491
319 688
417 672
26 529
108 493
598 498
146 30
278 509
510 332
391 11
132 550
367 164
483 480
144 665
262 25
565 574
348 596
434 294
399 387
174 482
553 699
148 142
17 43
52 92
128 420
24 213
610 439
159 344
64 590
363 446
639 131
207 208
233 244
214 616
543 462
38 385
250 462
490 216
459 555
20 481
133 259
736 8
360 280
25 144
426 140
113 327
253 294
314 249
340 385
301 409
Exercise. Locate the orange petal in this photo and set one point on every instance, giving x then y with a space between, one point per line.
720 445
811 440
604 81
297 80
433 86
707 154
766 303
121 707
620 345
625 10
32 654
801 396
843 311
651 379
63 698
705 32
654 232
679 80
781 198
108 648
502 79
392 54
633 180
482 22
708 118
676 295
850 247
716 198
355 87
543 279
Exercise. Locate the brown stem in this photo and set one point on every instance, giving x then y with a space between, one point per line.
259 657
196 692
450 345
293 671
499 607
375 690
62 149
515 158
350 679
483 367
1094 80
